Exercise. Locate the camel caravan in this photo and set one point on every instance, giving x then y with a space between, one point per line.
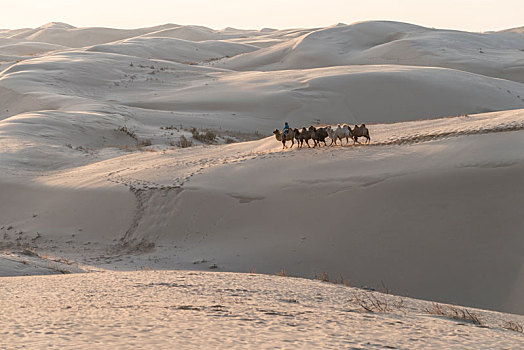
318 135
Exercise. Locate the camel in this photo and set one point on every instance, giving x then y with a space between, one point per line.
339 133
297 136
348 134
289 137
306 135
320 136
331 133
360 131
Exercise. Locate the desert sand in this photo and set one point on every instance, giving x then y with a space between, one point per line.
93 182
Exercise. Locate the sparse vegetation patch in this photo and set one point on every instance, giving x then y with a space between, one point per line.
324 277
128 132
369 302
183 142
513 326
282 273
207 136
454 313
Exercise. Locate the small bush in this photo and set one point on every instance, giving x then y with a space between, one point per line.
324 277
183 142
205 137
454 313
170 127
513 326
128 132
370 303
144 142
282 273
210 137
230 140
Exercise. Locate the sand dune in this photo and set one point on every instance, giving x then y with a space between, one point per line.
192 33
191 310
352 94
28 49
102 92
195 205
66 35
93 177
518 30
493 54
176 50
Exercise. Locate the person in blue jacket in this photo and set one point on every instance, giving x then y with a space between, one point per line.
286 129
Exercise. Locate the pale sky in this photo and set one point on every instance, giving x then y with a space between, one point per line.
470 15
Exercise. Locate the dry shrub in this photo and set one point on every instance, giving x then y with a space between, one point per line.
183 142
324 277
454 313
383 289
513 326
371 303
171 127
128 132
282 273
30 252
205 137
144 143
